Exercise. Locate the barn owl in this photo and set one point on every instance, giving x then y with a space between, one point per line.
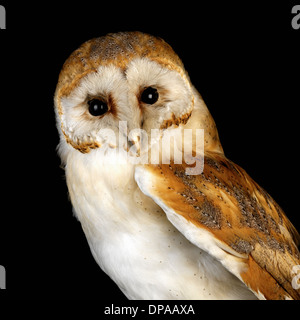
157 231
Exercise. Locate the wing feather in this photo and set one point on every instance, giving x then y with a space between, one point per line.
225 212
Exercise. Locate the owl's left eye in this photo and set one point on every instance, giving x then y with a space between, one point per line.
97 107
149 95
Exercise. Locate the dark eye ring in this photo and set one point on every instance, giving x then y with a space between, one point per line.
150 95
97 107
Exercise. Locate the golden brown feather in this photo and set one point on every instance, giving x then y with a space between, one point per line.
225 201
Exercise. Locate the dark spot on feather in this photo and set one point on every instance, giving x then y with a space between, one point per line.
213 164
209 215
274 244
242 246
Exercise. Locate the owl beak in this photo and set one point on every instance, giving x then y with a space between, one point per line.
135 145
135 136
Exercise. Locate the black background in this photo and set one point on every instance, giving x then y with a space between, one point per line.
243 59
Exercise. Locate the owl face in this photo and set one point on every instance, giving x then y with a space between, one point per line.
131 79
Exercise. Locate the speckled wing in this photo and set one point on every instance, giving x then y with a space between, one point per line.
226 213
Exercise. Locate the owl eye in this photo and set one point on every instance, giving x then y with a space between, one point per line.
150 95
97 107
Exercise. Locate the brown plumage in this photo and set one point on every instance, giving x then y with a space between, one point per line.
225 201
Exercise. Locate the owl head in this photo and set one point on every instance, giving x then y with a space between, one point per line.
127 78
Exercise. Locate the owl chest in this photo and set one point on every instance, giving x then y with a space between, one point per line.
132 240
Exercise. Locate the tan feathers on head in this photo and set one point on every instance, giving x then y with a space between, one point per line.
157 231
127 53
118 50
